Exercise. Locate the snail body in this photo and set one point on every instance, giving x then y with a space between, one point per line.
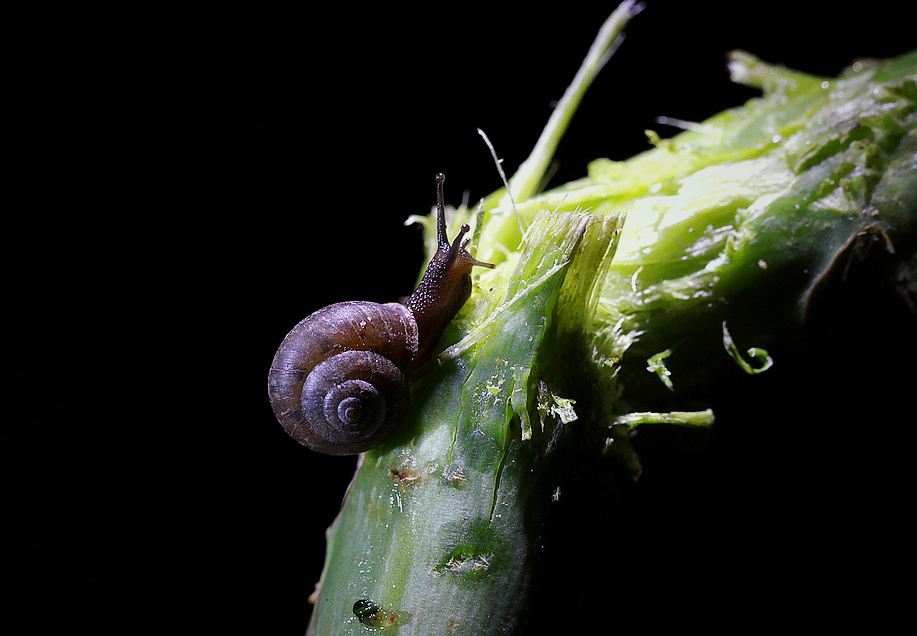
340 381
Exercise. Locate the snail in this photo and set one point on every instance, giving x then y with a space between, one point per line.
339 383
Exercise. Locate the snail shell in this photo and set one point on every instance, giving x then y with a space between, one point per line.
340 381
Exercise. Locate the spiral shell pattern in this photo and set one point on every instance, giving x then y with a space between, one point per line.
339 382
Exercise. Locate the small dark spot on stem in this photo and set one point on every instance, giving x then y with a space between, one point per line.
371 615
404 476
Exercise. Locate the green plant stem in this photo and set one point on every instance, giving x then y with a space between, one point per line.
746 218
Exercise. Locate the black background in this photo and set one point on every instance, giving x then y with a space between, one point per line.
192 182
